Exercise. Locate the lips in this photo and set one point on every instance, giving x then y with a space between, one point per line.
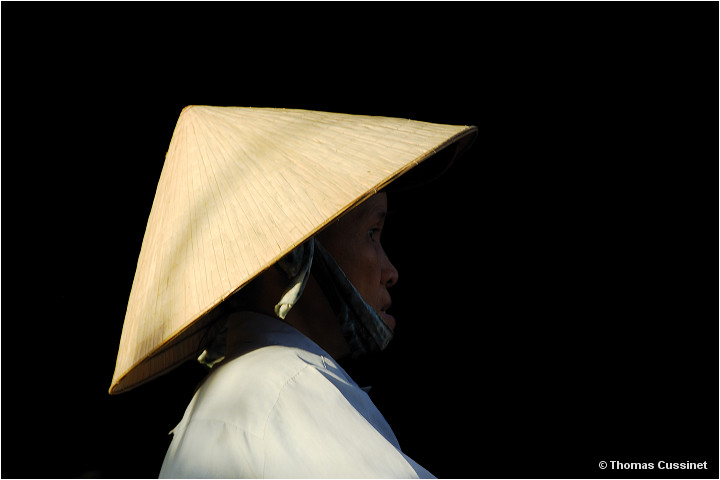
388 319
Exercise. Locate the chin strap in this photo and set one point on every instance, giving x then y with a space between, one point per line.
296 265
360 324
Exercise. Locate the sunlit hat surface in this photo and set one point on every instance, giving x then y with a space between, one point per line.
240 188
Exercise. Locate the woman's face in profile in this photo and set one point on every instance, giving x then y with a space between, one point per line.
354 242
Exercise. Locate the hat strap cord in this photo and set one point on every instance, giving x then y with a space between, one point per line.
361 325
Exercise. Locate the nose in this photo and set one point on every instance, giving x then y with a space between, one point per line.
389 274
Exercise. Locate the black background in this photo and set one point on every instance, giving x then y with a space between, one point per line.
557 302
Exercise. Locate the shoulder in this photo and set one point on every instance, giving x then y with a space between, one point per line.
221 433
283 412
243 392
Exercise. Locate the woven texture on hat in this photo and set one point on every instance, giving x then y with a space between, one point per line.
240 188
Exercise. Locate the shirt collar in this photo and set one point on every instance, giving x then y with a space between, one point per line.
250 330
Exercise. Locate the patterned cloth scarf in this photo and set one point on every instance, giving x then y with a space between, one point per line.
361 326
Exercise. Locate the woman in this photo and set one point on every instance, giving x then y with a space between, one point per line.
263 248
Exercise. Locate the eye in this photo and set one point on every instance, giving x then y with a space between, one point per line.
374 234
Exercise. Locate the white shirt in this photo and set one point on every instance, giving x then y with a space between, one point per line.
283 409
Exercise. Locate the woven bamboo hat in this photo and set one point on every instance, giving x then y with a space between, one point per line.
240 188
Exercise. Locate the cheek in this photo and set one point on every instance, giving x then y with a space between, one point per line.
360 262
366 273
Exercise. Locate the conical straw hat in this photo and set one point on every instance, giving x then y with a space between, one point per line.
240 188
